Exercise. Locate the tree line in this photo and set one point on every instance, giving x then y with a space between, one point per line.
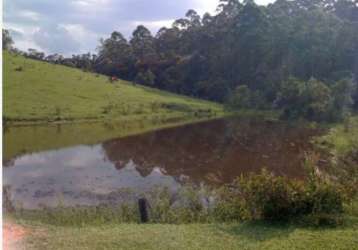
300 56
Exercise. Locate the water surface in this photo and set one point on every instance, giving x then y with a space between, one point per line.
211 153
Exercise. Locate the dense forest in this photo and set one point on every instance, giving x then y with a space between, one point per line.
298 56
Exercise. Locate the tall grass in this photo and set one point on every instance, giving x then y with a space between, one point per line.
340 146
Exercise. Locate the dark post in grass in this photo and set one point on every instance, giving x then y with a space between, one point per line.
143 210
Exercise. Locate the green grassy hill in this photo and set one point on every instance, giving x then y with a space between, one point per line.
37 91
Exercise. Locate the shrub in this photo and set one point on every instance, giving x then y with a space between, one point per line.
310 100
229 206
244 98
266 196
146 78
269 197
186 206
240 98
315 100
341 100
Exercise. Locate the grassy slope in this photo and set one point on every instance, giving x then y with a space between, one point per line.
47 92
193 236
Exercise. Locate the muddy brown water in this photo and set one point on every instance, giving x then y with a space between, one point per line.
211 153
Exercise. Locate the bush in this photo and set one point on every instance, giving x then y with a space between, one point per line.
341 100
19 69
240 98
145 78
244 98
229 206
310 100
269 197
355 98
315 100
186 206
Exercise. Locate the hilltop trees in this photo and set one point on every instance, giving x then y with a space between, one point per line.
84 61
35 54
115 56
142 44
292 54
7 41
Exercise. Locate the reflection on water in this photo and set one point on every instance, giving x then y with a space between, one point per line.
212 152
19 140
81 175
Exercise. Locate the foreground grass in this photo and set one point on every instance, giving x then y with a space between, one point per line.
57 232
192 236
37 91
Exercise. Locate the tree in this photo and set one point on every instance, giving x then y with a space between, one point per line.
291 54
240 98
7 41
344 9
145 78
341 99
213 89
166 42
142 44
310 100
84 61
247 46
34 54
355 98
115 56
229 9
194 19
54 58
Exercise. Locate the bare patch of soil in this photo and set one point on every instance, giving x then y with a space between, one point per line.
13 236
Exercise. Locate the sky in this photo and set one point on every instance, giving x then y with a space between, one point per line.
75 26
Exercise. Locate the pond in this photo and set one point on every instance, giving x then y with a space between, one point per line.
52 165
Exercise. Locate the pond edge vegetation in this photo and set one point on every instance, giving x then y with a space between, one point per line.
316 201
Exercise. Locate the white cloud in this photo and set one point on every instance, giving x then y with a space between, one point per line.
264 2
23 35
80 33
27 43
210 6
91 5
33 16
56 39
86 38
41 23
154 26
206 6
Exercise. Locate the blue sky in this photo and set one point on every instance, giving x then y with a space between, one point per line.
75 26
